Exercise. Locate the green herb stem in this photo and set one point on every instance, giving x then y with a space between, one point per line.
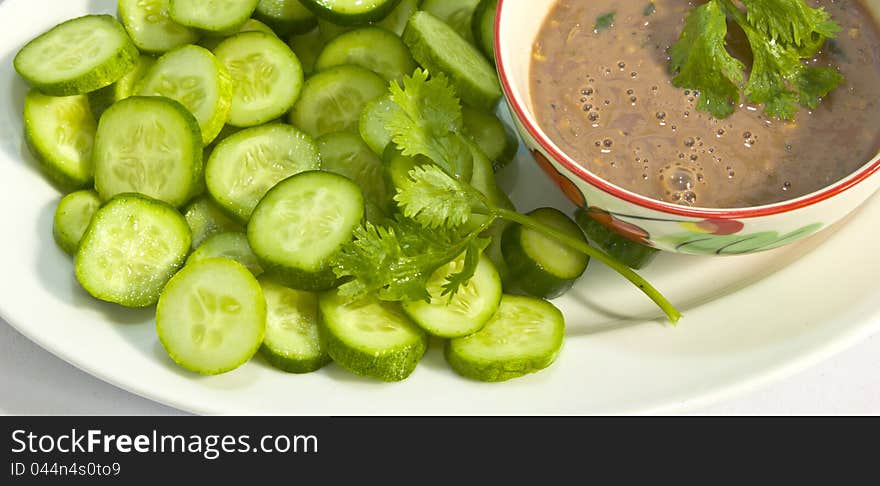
671 312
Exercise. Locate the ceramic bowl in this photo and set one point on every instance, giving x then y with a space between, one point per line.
659 224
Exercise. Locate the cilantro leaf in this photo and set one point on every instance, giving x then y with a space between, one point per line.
700 61
456 280
434 199
779 79
429 122
781 34
397 261
791 22
604 22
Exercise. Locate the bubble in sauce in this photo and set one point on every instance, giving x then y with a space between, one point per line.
681 179
786 186
690 197
689 142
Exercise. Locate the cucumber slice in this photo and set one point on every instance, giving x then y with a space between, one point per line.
524 336
286 17
267 77
205 220
292 342
211 42
483 27
373 121
351 12
307 47
215 16
493 138
438 48
370 338
333 100
77 56
124 88
131 249
455 13
396 20
148 145
212 317
60 131
150 26
243 167
330 31
540 265
233 246
302 223
468 310
376 49
344 153
195 78
72 218
632 254
483 179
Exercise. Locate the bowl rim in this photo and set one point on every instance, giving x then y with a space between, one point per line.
532 127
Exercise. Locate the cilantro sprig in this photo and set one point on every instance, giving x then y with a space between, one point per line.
442 216
782 34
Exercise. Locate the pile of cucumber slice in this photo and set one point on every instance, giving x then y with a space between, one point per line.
216 156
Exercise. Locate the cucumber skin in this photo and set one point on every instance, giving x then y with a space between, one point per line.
527 274
494 371
297 366
477 27
471 93
395 365
325 12
98 78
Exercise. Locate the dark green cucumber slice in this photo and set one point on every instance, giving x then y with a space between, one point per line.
212 41
130 250
72 217
302 224
483 27
456 13
344 153
60 132
396 20
373 121
378 50
286 17
214 16
370 338
437 47
231 245
467 311
77 57
540 265
292 342
151 28
211 317
267 77
634 255
524 336
150 145
351 12
333 100
195 78
307 48
244 166
490 134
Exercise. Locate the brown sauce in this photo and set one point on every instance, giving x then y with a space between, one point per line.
607 101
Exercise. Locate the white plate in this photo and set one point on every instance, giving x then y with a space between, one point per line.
747 320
